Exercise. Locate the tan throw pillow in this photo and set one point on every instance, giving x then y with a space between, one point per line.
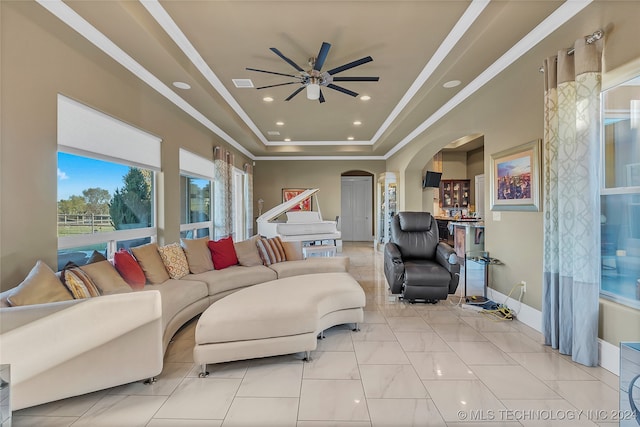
78 282
39 287
149 259
293 251
174 260
106 277
271 250
247 252
198 254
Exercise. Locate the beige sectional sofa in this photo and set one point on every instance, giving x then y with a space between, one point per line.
62 349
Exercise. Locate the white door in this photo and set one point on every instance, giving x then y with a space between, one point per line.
356 209
480 195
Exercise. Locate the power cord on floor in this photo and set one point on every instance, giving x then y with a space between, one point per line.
502 311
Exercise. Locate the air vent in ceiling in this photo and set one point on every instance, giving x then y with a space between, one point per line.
273 132
242 83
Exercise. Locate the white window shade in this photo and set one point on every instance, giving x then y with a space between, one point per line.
85 131
196 166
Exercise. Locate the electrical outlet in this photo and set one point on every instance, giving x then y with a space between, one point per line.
524 286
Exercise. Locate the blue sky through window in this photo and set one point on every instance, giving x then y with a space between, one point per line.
77 173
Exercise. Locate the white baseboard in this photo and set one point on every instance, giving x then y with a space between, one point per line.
608 354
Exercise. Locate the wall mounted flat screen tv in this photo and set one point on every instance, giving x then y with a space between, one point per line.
432 179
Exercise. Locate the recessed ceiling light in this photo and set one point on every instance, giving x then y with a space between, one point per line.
280 123
267 99
287 140
182 85
350 138
365 98
452 83
357 123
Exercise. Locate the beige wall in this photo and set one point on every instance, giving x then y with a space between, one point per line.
41 57
508 112
270 177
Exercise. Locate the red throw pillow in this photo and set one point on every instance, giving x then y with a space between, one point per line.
223 253
129 269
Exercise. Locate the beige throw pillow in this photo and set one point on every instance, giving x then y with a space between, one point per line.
149 259
198 254
39 287
293 251
106 278
174 260
247 252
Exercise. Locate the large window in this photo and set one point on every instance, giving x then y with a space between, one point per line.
106 183
620 195
196 174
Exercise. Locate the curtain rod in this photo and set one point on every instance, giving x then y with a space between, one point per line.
592 38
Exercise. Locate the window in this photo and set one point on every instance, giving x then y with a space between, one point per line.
106 183
196 174
620 195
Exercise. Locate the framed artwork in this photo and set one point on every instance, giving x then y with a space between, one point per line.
515 178
290 193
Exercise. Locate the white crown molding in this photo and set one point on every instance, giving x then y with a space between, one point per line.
332 158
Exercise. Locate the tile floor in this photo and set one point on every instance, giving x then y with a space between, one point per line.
410 365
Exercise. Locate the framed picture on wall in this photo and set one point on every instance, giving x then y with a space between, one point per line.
515 178
290 193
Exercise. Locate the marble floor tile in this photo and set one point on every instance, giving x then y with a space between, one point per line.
440 366
115 410
334 424
514 342
376 316
587 395
337 400
373 332
262 412
461 400
441 316
337 338
71 407
408 324
421 341
200 399
172 374
611 379
484 324
41 421
395 309
550 366
236 369
513 382
272 380
391 381
404 413
540 412
167 422
380 353
481 353
332 365
457 332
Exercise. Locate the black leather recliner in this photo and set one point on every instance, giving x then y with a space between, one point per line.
416 264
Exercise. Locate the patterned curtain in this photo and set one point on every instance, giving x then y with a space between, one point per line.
222 193
248 200
572 202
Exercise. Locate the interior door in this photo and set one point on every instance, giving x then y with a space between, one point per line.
356 208
480 195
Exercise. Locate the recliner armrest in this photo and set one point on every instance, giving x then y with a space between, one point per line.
443 254
393 267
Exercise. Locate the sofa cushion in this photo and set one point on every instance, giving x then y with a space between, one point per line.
234 277
40 286
247 252
106 278
198 254
311 266
149 259
271 250
223 253
78 282
176 295
129 269
174 260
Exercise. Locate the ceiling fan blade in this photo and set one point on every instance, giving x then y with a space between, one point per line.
350 65
287 60
273 72
321 97
280 84
322 56
297 91
356 79
341 89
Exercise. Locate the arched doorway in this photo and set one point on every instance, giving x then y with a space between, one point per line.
356 218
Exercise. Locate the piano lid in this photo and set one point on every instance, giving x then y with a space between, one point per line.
284 207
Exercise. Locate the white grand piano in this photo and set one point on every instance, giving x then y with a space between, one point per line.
301 226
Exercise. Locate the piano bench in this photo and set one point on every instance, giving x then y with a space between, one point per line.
319 250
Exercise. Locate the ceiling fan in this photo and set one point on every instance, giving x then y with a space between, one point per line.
314 78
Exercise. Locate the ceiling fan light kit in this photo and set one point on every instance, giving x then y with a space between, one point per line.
312 79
